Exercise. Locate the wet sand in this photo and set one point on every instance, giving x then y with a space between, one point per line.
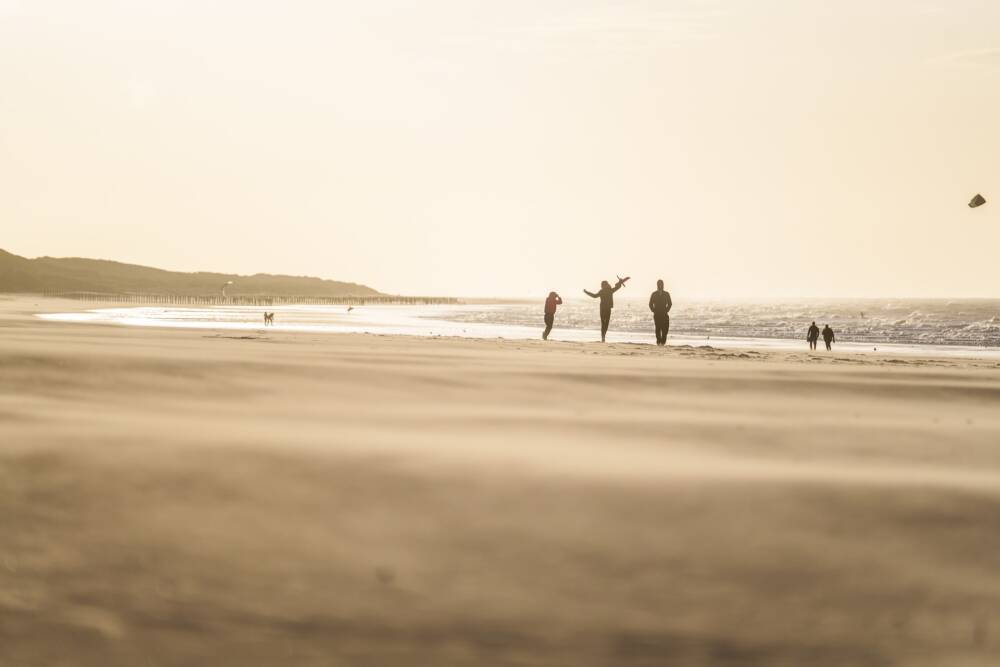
183 497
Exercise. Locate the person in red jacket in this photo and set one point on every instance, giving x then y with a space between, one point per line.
550 313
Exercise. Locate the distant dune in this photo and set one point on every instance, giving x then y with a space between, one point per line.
74 274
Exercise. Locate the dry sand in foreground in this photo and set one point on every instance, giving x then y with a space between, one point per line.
175 497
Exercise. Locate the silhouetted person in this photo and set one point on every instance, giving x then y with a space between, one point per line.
812 336
607 296
660 304
550 312
828 336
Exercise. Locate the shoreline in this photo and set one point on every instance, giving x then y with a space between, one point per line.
428 326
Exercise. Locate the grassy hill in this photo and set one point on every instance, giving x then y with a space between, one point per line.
74 274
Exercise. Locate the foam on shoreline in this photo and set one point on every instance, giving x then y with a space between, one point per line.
460 321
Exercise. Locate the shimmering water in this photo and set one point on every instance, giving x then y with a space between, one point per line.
974 323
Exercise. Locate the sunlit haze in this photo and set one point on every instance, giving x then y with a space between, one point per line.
743 148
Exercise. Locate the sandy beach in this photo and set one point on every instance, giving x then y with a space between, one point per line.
180 497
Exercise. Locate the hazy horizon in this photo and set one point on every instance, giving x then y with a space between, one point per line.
639 294
739 150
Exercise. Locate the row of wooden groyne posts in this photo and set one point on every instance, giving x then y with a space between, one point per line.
252 300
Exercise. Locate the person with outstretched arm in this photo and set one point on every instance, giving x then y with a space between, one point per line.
607 296
660 305
551 303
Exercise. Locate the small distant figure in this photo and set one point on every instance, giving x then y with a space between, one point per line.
268 319
660 304
812 336
607 296
553 301
977 201
350 308
828 337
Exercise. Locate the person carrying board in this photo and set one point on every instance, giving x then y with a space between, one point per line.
812 335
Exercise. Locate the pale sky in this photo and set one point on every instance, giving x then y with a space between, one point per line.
737 148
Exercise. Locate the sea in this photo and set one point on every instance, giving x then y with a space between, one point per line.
960 327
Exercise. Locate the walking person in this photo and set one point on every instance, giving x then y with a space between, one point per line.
660 304
551 303
812 336
828 337
607 296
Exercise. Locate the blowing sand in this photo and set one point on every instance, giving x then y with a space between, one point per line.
180 497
